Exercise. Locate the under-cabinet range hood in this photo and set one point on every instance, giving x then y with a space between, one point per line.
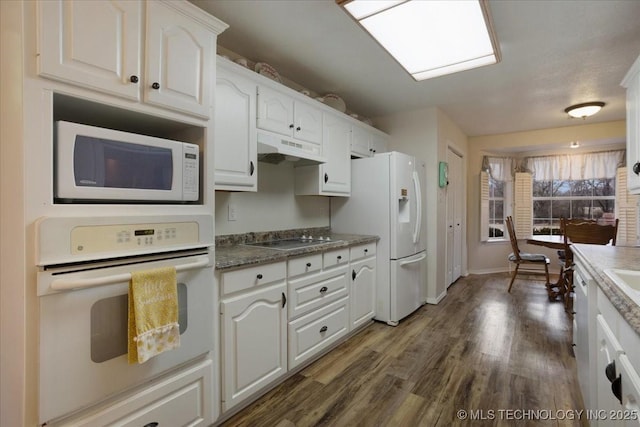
276 149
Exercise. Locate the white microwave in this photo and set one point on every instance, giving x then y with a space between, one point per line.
94 164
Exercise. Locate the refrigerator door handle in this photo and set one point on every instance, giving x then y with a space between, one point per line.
416 184
420 258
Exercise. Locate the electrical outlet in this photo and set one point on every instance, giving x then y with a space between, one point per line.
233 212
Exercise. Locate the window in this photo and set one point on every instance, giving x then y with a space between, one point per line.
585 199
496 208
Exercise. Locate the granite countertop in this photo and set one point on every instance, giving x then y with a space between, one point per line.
230 253
599 258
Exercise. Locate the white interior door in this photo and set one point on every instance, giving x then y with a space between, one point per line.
454 217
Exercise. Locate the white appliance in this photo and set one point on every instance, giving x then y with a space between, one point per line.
84 269
94 164
387 200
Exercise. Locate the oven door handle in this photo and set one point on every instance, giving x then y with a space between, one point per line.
66 284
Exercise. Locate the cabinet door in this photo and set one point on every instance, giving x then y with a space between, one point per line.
307 123
362 294
235 133
92 44
608 351
630 411
180 61
254 342
336 172
360 139
378 144
275 111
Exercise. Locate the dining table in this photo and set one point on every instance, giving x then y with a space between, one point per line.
550 241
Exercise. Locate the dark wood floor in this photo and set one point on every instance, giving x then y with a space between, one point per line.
481 349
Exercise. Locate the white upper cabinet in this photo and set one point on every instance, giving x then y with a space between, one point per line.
365 142
332 178
102 46
632 83
235 132
280 113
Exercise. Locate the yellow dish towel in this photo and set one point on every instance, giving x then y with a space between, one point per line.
153 314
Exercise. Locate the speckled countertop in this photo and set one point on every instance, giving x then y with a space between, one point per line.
599 258
231 252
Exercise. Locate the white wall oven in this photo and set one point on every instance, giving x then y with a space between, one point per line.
85 266
99 165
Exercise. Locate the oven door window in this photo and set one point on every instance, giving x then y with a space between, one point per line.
109 322
113 164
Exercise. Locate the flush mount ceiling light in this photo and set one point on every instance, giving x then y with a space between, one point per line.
429 38
584 110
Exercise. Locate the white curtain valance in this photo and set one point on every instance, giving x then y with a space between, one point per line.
500 168
598 165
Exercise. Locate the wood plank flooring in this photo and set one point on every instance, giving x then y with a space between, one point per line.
481 349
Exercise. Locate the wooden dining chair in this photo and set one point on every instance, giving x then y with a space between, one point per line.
589 232
525 259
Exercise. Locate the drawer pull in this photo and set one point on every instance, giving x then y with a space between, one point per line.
323 289
616 388
353 275
323 329
308 264
259 276
284 300
152 424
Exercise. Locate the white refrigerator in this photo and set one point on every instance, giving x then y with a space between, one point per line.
387 198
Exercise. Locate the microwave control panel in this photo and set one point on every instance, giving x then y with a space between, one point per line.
118 237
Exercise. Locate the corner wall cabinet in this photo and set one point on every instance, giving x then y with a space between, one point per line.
367 142
632 83
102 46
278 317
235 132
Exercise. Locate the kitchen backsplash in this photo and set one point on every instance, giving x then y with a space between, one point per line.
273 207
265 236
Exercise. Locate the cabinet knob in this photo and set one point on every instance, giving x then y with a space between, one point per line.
152 424
323 329
308 264
610 371
291 126
636 168
326 177
133 79
259 276
366 250
298 129
616 388
251 168
155 85
323 289
353 275
339 257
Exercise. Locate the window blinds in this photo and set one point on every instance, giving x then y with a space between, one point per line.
626 211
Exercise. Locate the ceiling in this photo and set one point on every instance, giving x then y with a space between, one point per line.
554 54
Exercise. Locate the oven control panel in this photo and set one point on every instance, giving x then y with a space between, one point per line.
103 238
62 240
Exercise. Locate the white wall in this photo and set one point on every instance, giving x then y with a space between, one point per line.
489 257
273 207
426 134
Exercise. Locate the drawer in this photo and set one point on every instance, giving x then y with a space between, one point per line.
305 264
247 278
175 401
362 251
314 291
335 257
311 334
608 311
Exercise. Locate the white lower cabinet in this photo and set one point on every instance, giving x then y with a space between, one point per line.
314 332
179 400
254 336
607 368
363 285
